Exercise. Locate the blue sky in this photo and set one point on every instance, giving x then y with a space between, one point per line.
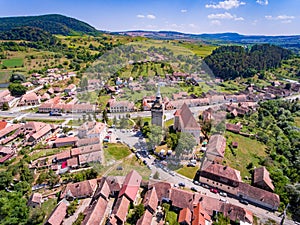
270 17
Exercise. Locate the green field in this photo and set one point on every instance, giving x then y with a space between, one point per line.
4 77
116 151
138 95
199 49
189 172
249 150
297 121
132 164
14 62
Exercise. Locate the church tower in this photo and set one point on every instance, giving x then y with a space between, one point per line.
157 110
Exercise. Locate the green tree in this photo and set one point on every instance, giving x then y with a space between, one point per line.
186 143
5 179
221 220
83 83
72 207
17 89
154 136
17 78
105 116
5 106
36 217
138 211
13 208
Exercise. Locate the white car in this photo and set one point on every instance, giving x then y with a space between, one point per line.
223 194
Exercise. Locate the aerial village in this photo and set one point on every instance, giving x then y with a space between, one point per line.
115 199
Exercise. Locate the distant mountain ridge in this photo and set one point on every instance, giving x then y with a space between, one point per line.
52 23
289 41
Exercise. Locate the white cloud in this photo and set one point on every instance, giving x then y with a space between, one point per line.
150 16
227 4
183 10
216 22
282 18
191 25
226 15
286 21
285 17
262 2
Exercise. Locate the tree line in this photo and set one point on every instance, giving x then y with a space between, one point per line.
230 62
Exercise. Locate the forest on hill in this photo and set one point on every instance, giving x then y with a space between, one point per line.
28 34
230 62
53 23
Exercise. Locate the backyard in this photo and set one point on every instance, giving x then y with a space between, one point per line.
248 150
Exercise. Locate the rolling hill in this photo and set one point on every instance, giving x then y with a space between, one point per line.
52 23
291 41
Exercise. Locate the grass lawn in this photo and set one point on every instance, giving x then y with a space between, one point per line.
169 122
189 172
14 62
297 121
45 152
116 151
46 121
171 218
48 207
249 150
4 77
132 164
138 95
199 49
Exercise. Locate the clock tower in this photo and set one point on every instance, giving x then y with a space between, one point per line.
157 110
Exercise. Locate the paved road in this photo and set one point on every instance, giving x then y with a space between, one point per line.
133 140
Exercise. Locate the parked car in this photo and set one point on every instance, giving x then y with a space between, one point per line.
243 201
223 194
194 189
213 190
172 173
196 182
223 200
181 184
205 186
191 164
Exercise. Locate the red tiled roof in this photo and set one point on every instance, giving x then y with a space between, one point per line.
185 216
58 214
73 162
233 127
121 208
131 185
2 124
103 189
90 157
81 189
96 212
221 171
146 219
6 150
261 174
216 145
36 198
199 215
115 183
162 189
263 196
63 155
181 198
65 140
236 213
187 119
151 199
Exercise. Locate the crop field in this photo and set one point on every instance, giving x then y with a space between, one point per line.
14 62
